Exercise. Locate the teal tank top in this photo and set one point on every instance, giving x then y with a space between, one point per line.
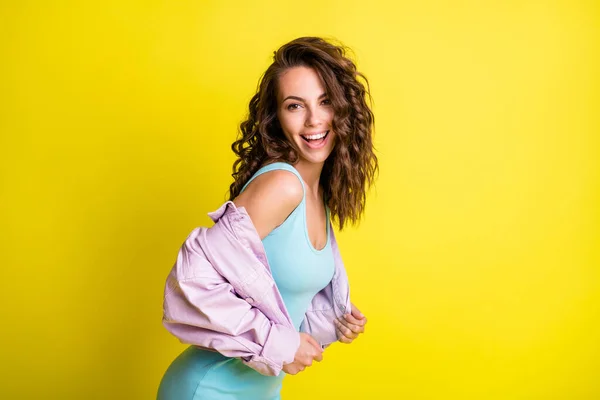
300 271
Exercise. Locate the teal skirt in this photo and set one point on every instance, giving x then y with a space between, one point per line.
198 374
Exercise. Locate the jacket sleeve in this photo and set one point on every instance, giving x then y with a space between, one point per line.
201 308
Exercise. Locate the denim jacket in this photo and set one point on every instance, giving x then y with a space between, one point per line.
220 295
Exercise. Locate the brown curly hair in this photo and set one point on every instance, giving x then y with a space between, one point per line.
350 169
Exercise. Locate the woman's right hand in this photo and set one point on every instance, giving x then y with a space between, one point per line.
308 351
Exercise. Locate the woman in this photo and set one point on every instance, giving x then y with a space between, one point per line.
264 290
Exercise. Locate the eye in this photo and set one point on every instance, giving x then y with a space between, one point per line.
327 102
293 106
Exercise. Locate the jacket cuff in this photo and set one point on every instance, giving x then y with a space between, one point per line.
281 345
279 349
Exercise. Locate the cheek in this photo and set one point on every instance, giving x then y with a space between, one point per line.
333 140
330 114
285 127
292 123
288 130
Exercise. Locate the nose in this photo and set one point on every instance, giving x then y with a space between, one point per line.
314 116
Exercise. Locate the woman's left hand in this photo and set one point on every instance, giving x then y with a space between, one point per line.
350 326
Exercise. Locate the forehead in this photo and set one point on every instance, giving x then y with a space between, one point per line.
300 81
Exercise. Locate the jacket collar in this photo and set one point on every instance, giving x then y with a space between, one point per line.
228 207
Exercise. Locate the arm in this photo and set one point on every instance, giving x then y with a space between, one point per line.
268 200
201 308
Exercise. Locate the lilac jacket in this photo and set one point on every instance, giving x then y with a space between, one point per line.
220 295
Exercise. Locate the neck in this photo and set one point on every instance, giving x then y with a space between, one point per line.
311 173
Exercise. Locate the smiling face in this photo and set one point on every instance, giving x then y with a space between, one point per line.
305 114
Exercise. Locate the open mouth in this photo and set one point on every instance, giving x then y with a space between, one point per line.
320 139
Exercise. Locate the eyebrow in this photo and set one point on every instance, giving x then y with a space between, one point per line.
301 99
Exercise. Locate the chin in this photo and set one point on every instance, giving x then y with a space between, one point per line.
316 159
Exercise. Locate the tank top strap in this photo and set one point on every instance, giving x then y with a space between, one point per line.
277 166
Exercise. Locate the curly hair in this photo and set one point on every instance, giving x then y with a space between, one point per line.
350 168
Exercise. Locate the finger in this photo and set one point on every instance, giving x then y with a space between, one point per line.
345 330
343 338
299 367
292 368
356 321
315 343
306 361
354 328
316 355
356 312
319 357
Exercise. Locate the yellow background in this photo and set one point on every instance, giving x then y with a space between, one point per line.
477 263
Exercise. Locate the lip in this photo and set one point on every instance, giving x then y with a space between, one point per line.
315 146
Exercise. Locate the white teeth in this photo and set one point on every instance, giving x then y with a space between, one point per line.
317 136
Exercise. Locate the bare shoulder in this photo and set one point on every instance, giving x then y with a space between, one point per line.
270 198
